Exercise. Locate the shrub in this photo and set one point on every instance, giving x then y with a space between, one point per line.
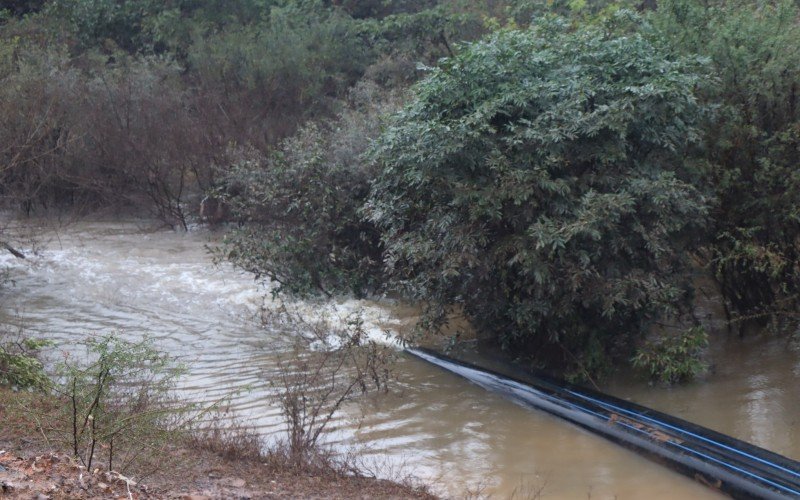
34 124
227 437
119 405
300 206
140 141
276 74
20 7
750 142
673 358
538 180
119 132
94 22
329 366
20 366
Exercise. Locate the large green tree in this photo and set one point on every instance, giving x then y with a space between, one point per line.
538 181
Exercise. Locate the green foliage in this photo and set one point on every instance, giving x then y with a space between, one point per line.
541 180
7 50
674 358
538 180
179 23
751 143
19 7
119 403
429 33
379 9
293 48
96 22
147 26
579 12
300 206
20 367
278 73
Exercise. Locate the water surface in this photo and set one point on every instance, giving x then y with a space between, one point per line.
95 278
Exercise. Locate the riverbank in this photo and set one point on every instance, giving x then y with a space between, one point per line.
33 466
124 278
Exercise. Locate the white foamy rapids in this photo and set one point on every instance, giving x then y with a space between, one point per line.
98 279
373 322
118 265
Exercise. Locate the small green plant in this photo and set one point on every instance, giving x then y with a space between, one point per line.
119 405
20 366
674 358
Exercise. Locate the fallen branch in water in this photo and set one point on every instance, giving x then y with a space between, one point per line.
16 253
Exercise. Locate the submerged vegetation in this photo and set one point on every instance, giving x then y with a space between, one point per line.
674 358
558 172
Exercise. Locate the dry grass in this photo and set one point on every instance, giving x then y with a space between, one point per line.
224 437
213 460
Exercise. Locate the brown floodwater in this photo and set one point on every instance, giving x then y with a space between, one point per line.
95 278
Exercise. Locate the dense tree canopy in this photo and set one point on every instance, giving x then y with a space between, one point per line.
751 143
538 180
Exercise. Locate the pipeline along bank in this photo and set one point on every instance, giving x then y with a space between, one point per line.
729 465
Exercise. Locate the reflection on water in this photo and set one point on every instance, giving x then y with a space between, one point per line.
751 394
97 278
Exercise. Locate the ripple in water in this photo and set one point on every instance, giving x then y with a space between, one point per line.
97 278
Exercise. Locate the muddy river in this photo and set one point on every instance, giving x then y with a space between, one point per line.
96 278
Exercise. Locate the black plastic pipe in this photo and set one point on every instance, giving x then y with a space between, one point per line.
729 465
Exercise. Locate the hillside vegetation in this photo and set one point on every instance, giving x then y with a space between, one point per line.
559 172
